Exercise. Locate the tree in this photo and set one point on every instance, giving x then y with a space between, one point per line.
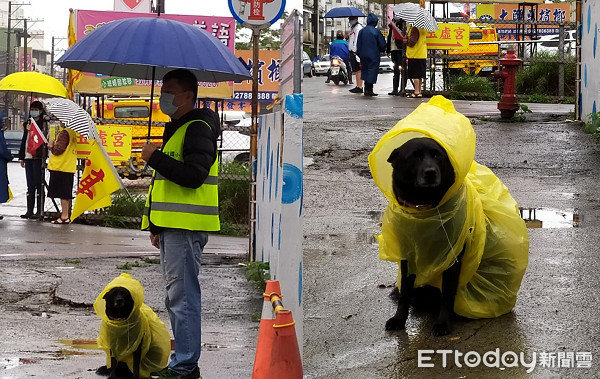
268 40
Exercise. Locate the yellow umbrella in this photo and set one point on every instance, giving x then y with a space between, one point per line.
33 83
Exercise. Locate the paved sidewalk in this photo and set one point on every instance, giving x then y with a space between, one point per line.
53 273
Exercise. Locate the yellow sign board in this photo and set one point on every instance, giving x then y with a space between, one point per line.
115 139
449 36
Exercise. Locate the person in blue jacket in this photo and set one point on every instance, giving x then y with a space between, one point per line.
370 45
5 157
339 48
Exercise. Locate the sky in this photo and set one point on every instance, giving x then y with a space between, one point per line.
55 13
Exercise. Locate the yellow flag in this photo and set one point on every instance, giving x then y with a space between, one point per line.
97 182
73 76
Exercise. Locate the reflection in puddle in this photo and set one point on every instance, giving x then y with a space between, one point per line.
550 218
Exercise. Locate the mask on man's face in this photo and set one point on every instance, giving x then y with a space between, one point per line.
34 113
166 104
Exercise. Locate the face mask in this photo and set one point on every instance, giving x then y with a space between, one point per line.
34 114
352 23
166 104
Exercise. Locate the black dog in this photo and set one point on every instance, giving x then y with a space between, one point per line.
422 174
119 305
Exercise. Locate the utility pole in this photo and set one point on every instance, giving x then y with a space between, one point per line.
25 51
8 56
316 26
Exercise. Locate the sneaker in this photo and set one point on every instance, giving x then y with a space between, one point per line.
167 373
356 90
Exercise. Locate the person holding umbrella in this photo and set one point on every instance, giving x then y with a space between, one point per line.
5 157
369 46
31 160
182 206
62 166
354 61
416 52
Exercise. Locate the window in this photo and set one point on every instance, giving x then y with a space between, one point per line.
132 112
338 23
476 35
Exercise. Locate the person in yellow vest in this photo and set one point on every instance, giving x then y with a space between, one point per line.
182 206
416 53
62 166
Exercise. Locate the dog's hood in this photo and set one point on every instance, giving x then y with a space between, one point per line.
126 281
438 120
122 337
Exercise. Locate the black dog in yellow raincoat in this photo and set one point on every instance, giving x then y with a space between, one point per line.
475 228
138 339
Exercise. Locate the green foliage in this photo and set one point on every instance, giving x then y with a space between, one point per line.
234 195
471 87
520 115
128 266
541 78
73 261
257 273
592 124
124 212
269 38
152 261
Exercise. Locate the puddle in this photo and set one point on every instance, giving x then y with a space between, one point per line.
550 218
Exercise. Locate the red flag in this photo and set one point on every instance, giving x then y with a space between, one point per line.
36 138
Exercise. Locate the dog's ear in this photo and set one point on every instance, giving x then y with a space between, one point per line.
394 156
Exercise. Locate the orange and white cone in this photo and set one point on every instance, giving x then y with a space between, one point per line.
285 357
266 333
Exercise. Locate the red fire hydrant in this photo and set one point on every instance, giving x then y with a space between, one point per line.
508 104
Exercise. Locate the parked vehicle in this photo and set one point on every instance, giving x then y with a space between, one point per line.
322 67
549 43
306 64
13 141
386 65
483 57
338 71
234 143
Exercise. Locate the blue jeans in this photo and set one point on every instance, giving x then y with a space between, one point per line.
180 253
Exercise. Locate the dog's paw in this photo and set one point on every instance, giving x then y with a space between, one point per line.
395 323
103 370
441 328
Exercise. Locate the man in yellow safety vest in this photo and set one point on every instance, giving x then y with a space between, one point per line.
182 206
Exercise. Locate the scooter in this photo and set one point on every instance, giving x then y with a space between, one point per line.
337 71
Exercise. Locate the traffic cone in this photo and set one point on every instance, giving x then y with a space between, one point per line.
285 357
266 333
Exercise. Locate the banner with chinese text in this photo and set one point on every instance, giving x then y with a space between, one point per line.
449 36
268 76
553 12
86 21
115 139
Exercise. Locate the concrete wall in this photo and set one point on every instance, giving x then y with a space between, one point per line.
589 95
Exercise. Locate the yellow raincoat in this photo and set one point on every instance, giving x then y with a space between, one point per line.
477 212
124 336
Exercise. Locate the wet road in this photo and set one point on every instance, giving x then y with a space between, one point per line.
547 163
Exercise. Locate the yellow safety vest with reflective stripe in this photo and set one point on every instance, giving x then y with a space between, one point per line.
170 205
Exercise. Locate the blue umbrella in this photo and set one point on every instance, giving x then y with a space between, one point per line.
149 47
344 12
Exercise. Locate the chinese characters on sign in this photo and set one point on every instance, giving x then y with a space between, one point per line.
554 12
268 76
449 36
115 139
